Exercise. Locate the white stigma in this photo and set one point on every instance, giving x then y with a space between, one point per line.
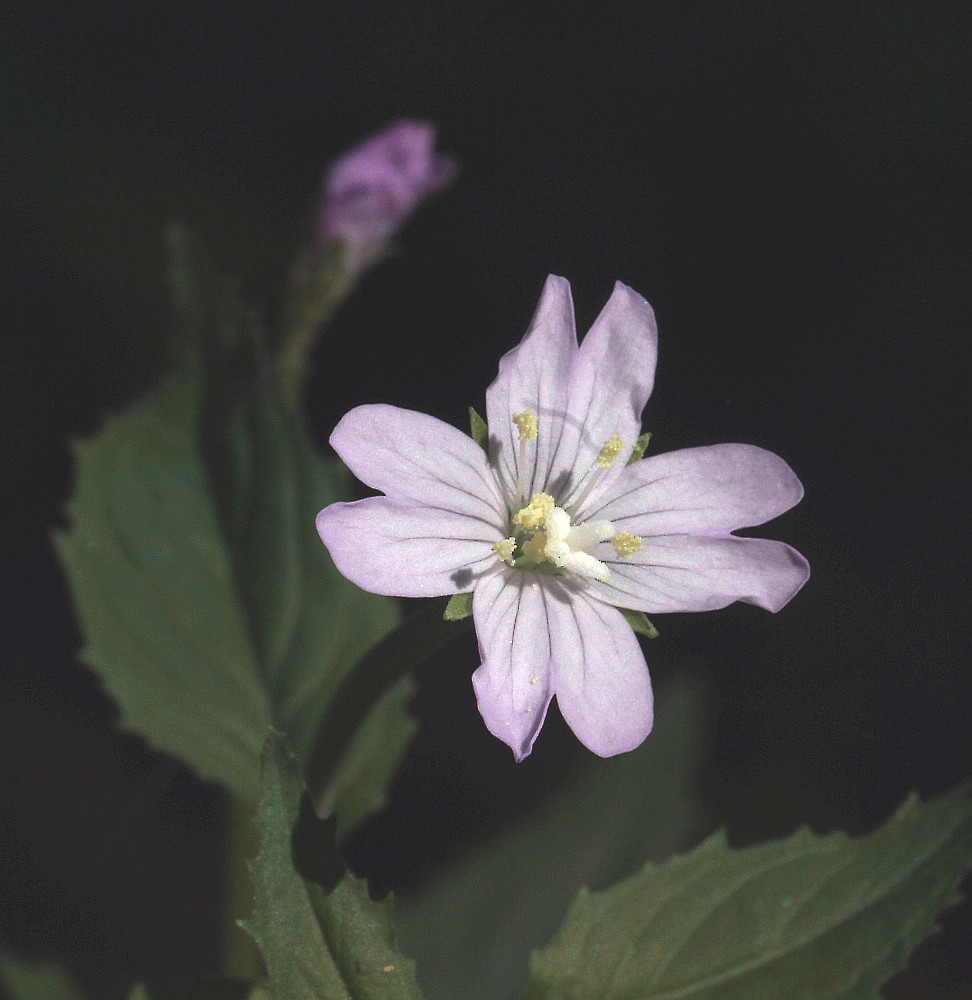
567 544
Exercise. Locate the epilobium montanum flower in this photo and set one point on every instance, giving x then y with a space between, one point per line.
553 531
371 190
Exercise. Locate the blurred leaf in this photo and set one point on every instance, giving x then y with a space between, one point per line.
316 945
23 980
806 918
509 894
209 606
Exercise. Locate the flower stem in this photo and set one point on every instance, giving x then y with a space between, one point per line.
239 953
390 659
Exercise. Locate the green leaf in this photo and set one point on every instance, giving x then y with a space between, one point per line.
641 445
153 586
23 980
459 607
316 946
806 918
595 826
638 620
478 430
208 604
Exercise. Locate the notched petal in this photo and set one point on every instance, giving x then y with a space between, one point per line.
533 377
513 683
600 675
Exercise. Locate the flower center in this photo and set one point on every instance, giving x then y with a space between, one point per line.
546 540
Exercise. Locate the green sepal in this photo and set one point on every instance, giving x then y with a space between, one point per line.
638 620
640 446
478 430
459 607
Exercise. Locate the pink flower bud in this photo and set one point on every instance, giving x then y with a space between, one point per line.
370 191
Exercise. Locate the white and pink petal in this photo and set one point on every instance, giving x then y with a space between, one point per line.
698 491
610 381
700 573
533 376
418 458
600 676
513 683
392 547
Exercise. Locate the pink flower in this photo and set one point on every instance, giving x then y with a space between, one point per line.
553 531
370 191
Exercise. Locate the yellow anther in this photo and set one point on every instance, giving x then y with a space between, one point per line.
526 424
625 543
504 549
534 548
534 515
608 454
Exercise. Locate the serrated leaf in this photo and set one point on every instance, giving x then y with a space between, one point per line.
806 918
153 587
509 894
316 946
23 980
209 607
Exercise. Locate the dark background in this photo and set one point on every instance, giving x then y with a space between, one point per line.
787 185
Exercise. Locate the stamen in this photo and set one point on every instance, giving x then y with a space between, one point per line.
608 454
534 515
535 547
504 550
625 543
606 457
526 424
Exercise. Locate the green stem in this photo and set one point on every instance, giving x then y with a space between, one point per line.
386 662
239 954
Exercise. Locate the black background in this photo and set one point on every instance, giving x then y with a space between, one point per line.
787 185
